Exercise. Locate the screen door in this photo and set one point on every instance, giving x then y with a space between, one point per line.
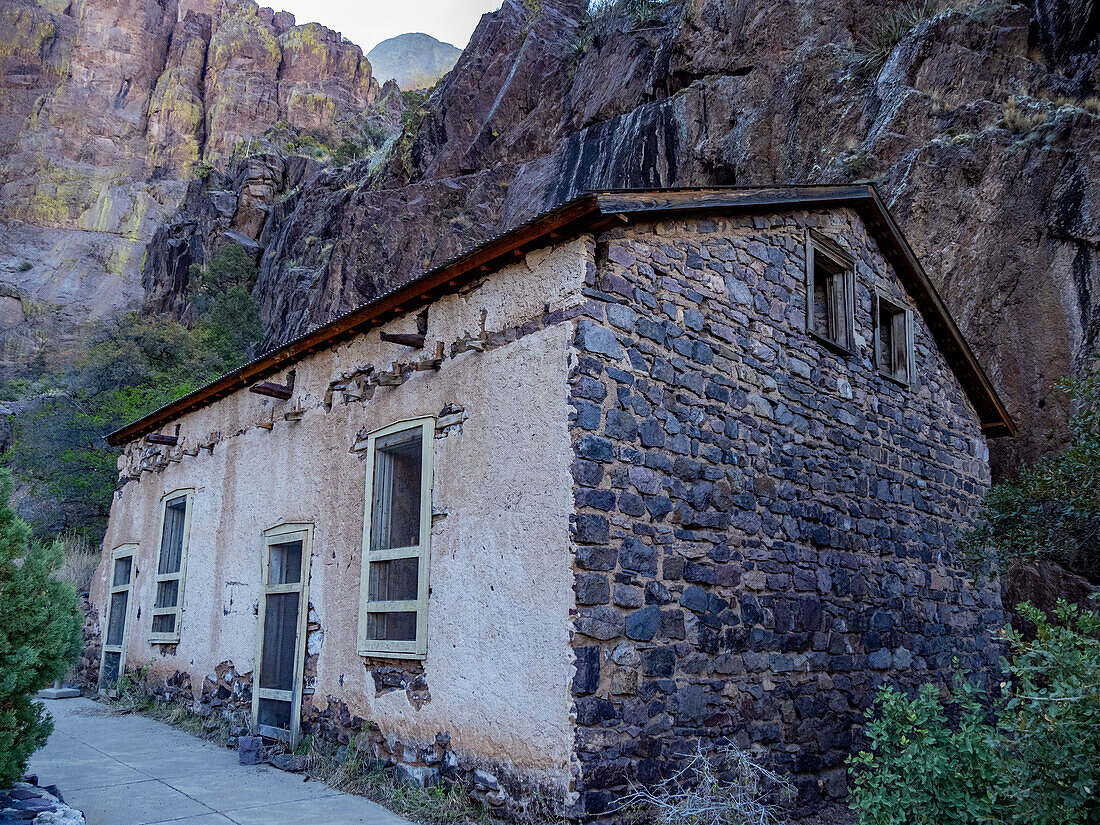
277 697
113 663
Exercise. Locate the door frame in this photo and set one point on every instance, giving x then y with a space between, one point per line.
283 534
120 552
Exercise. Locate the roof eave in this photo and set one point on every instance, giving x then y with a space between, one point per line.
592 212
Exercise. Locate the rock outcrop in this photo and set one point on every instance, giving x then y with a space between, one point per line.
980 125
108 107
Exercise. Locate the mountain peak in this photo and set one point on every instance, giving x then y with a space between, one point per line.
415 60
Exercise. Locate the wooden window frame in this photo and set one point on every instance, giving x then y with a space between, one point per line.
173 637
283 534
910 359
418 648
817 245
122 551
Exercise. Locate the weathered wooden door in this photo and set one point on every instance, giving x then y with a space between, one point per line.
280 656
113 663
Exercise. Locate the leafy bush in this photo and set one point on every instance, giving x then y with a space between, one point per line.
1050 726
1051 509
919 768
39 636
1033 760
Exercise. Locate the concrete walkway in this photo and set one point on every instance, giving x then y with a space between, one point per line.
129 770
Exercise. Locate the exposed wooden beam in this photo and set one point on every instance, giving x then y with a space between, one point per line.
269 388
161 438
414 340
273 390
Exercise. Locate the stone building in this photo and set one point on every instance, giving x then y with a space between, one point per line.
655 469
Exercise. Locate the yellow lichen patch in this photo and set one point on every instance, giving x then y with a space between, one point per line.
63 196
35 29
237 34
123 257
303 39
175 119
311 110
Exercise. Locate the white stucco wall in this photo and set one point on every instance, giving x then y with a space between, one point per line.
498 663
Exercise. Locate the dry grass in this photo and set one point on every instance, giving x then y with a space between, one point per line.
80 561
724 788
1019 120
134 696
352 769
1091 105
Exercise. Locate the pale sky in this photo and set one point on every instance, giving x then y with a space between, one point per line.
368 22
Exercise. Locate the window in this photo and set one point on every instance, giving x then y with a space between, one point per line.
393 608
171 561
830 294
893 340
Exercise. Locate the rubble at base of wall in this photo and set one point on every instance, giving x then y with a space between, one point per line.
495 786
87 669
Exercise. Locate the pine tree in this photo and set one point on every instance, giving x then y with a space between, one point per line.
39 636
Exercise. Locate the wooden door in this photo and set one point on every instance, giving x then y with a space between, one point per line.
280 652
112 665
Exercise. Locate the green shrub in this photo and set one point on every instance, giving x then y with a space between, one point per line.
919 768
346 153
1032 759
1051 509
1050 727
39 636
229 266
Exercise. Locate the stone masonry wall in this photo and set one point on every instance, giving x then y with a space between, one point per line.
763 527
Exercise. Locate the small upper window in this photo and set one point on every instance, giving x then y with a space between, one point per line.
893 340
171 561
394 586
830 294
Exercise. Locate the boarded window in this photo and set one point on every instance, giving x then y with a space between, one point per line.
393 610
830 298
893 340
171 560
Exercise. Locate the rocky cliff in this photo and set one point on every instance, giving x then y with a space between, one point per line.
978 119
108 108
979 122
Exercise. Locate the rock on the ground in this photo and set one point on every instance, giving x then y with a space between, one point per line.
250 750
28 804
289 762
